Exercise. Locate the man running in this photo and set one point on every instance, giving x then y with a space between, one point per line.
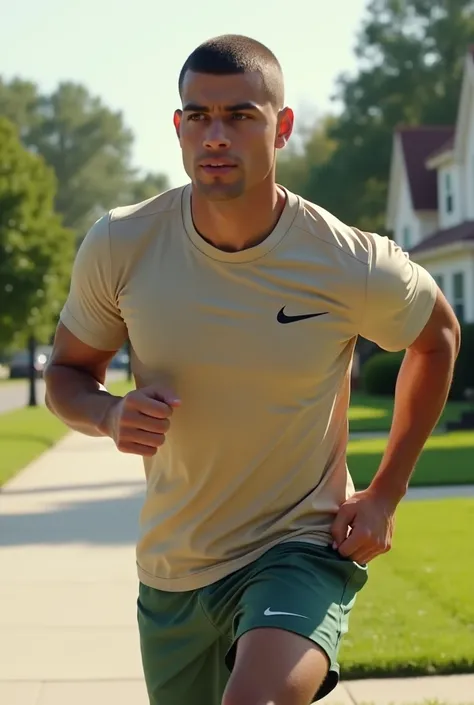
243 303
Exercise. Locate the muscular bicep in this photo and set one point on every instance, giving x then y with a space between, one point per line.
69 351
442 331
91 311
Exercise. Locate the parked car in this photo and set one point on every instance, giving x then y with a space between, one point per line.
119 361
20 362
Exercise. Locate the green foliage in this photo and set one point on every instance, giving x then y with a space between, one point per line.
309 147
464 370
150 185
36 251
380 372
86 143
411 57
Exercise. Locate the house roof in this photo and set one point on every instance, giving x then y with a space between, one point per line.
446 147
418 143
449 236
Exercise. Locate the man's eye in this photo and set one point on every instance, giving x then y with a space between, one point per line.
196 116
239 116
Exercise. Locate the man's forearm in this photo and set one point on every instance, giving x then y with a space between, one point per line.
421 393
79 400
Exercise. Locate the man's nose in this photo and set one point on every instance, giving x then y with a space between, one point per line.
215 137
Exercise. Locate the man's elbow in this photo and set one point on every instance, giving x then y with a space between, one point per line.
450 337
442 333
48 404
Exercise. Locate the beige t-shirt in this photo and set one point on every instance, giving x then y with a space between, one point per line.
256 453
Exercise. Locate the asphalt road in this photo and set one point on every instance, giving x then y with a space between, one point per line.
15 394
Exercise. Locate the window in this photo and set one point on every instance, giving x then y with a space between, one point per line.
449 194
406 237
458 295
439 279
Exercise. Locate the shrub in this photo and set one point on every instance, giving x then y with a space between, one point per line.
379 374
464 370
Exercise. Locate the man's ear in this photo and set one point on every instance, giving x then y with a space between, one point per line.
178 114
286 120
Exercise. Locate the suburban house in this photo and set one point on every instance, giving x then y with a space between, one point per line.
430 209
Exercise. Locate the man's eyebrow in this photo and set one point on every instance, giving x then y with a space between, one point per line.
196 108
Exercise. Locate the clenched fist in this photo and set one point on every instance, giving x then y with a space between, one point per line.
138 422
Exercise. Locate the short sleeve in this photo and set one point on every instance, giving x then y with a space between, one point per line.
399 297
91 312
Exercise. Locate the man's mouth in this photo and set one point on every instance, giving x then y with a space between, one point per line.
217 167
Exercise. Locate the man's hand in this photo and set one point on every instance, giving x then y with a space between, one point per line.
138 422
370 519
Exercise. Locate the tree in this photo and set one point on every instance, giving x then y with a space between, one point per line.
147 187
411 54
86 143
36 251
309 148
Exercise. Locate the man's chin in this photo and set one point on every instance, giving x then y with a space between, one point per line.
219 191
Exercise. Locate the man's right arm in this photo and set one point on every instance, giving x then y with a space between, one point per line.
90 332
75 377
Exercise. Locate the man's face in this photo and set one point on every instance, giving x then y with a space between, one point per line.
228 132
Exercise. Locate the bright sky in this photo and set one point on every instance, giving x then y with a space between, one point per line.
130 54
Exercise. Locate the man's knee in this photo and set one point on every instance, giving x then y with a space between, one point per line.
241 691
276 668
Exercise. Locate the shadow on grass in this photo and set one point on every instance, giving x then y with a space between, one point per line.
131 484
98 522
436 466
45 441
405 670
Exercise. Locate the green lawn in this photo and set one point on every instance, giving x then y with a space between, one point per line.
26 433
447 459
368 413
416 614
121 387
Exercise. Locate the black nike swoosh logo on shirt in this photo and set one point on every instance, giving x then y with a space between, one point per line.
282 317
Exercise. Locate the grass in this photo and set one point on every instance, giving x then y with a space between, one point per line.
415 616
26 433
447 459
369 413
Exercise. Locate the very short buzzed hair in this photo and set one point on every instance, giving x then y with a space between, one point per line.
235 53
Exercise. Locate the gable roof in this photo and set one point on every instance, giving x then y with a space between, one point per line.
446 147
418 143
449 236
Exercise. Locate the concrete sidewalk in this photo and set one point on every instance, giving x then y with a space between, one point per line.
68 588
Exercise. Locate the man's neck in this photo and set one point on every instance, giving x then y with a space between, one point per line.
240 223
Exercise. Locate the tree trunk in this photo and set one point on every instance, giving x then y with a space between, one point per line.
32 371
129 363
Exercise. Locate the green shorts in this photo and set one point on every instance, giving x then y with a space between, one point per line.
188 639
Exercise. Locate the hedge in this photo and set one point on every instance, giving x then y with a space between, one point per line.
379 374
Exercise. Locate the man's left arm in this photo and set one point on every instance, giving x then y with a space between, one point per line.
421 393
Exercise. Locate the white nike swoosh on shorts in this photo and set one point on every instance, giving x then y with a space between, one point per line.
270 613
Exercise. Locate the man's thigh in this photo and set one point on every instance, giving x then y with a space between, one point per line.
301 588
183 654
